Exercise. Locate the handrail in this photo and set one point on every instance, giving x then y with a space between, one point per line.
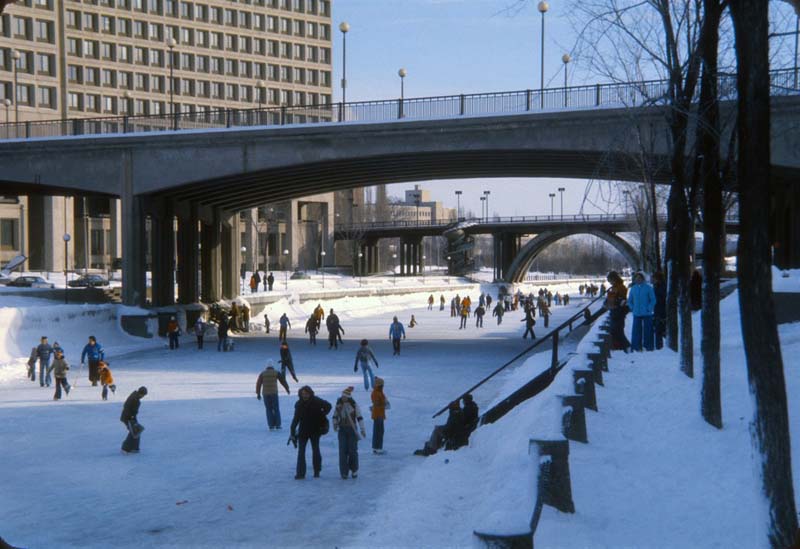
553 333
591 96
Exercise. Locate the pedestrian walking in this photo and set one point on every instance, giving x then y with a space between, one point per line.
106 380
59 368
349 423
129 417
222 334
308 425
286 361
396 331
94 352
267 386
441 302
363 356
200 331
284 323
43 352
464 315
499 311
266 323
642 302
311 329
530 322
479 312
335 330
173 331
378 412
270 281
430 302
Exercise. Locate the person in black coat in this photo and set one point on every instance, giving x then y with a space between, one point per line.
270 281
307 425
530 322
450 433
471 415
286 361
660 309
222 334
129 412
334 330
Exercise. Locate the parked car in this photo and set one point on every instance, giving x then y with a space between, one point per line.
30 282
88 281
299 275
5 279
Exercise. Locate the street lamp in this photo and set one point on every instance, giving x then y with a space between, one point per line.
244 265
424 257
15 55
458 208
344 27
561 191
394 267
261 86
483 208
402 74
565 59
360 269
486 194
171 43
286 271
7 103
322 261
552 196
66 238
542 7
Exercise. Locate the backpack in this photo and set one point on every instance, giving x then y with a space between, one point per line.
324 426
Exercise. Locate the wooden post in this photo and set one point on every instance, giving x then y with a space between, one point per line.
555 487
584 386
573 421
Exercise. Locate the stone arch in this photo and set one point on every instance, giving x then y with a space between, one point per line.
522 262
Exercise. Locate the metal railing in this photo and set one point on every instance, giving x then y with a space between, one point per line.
613 95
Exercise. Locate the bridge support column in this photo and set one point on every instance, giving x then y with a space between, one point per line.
506 248
786 227
410 255
134 284
402 270
210 262
251 238
187 258
162 251
231 256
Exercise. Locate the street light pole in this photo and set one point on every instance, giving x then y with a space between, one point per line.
7 103
15 56
394 267
458 207
402 74
483 208
486 194
565 59
322 261
542 7
66 238
552 196
561 191
344 27
285 271
171 43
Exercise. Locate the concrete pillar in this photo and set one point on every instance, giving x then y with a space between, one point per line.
414 258
162 246
251 238
231 256
187 259
402 258
210 263
115 242
134 284
58 218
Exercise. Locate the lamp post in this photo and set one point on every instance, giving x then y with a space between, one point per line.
448 266
424 257
542 7
360 269
417 198
565 59
322 266
261 90
15 56
552 196
483 208
286 271
486 194
171 43
7 103
244 265
561 191
394 267
458 207
66 238
402 74
344 27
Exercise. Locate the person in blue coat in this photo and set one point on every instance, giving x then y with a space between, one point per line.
94 352
396 331
642 302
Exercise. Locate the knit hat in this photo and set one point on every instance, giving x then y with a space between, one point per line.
378 381
348 392
142 390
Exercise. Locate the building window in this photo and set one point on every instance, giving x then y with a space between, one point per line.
44 31
9 234
74 101
244 44
22 27
230 67
258 46
124 80
285 74
299 51
201 63
201 38
44 64
258 21
109 104
299 76
139 29
97 238
154 6
216 65
186 36
90 49
274 72
215 14
107 77
140 106
286 50
215 40
156 107
297 28
90 76
230 42
244 20
89 22
272 23
200 12
140 56
141 81
124 54
74 74
124 27
230 92
230 18
155 31
186 86
73 19
45 97
107 24
156 83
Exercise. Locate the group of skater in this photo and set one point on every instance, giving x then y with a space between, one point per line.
648 304
57 371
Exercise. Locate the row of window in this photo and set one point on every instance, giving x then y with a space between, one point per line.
45 96
174 8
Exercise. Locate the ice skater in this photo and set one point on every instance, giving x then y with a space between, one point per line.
106 380
348 422
59 367
129 418
363 356
396 331
267 386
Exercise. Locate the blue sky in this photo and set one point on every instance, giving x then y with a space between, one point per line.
458 46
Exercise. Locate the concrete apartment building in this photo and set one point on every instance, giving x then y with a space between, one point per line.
68 59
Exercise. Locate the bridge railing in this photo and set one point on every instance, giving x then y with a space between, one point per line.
610 95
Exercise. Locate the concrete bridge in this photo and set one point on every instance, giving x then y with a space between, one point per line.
512 260
203 177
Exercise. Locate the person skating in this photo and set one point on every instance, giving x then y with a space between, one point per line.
488 302
430 302
94 352
267 386
173 331
453 308
266 323
348 422
378 412
499 311
565 299
482 299
335 330
129 418
311 329
286 361
222 334
479 312
396 331
441 302
413 322
59 368
319 315
284 323
32 364
363 356
530 322
270 281
106 380
200 331
43 352
308 424
464 315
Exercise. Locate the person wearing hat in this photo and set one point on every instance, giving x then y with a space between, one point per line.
106 380
130 411
267 385
363 355
379 406
173 331
396 331
642 303
309 423
348 422
59 367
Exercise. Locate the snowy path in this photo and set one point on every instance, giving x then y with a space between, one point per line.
64 483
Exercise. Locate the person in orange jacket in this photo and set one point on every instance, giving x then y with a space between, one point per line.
379 406
173 331
106 379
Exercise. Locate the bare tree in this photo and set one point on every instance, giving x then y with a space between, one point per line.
770 427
